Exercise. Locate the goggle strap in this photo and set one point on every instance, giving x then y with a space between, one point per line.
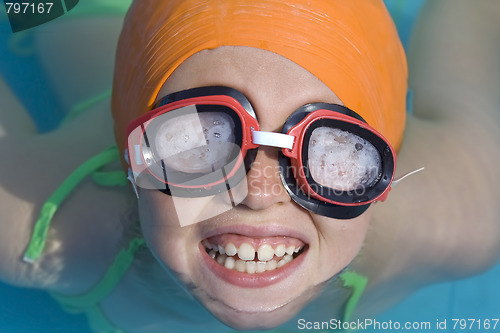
131 179
396 181
125 156
272 139
137 155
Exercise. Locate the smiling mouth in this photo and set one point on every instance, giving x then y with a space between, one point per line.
253 256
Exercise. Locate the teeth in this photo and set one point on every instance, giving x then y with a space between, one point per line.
261 266
271 265
246 252
251 266
265 252
246 261
281 263
230 249
229 263
240 266
221 259
280 250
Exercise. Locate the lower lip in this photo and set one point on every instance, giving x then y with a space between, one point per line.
256 280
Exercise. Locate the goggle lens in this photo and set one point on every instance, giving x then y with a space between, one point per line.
191 150
341 160
193 142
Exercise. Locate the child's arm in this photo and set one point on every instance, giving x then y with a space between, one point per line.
455 73
87 230
443 222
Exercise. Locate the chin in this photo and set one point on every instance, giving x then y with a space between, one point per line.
257 320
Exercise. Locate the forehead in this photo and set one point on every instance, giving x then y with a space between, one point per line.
274 85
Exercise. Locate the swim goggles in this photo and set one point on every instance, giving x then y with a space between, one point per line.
203 141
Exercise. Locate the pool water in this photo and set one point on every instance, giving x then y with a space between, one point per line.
33 311
478 298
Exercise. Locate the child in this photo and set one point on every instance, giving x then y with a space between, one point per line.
333 250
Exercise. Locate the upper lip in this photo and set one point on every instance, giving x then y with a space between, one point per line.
256 231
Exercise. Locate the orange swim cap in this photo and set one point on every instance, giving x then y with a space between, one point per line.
351 46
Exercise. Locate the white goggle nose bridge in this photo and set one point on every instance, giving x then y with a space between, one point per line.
272 139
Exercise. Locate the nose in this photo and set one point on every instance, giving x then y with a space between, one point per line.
265 188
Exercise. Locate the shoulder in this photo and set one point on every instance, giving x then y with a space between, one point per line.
90 223
456 129
88 227
443 222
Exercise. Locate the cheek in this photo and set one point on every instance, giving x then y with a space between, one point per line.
340 241
168 241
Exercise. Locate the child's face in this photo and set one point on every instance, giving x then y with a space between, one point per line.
276 87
